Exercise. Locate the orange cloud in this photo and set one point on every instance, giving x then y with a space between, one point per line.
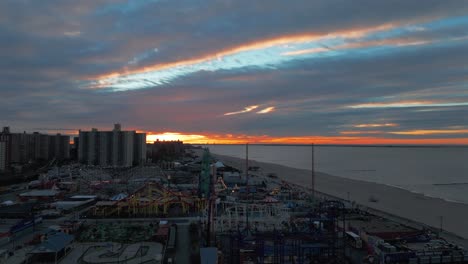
375 125
431 132
360 132
392 104
266 110
246 109
300 38
257 45
405 104
385 42
364 44
304 51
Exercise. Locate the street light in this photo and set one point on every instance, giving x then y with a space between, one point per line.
441 222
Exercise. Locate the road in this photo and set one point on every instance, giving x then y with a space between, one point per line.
183 249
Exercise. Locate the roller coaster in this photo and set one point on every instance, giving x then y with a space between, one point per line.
152 199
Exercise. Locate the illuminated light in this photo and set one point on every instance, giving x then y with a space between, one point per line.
431 132
266 110
407 104
375 125
246 109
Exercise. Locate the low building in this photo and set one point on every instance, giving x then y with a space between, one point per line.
165 150
55 246
209 255
68 227
232 178
381 228
40 195
77 201
18 211
392 242
69 186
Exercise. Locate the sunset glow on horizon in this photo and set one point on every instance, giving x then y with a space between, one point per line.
350 138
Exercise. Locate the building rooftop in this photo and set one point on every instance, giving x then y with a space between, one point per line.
54 243
105 203
378 226
16 210
84 197
209 255
48 192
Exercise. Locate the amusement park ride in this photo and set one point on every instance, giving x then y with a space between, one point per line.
155 199
245 229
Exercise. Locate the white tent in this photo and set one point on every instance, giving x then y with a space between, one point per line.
118 197
219 164
8 203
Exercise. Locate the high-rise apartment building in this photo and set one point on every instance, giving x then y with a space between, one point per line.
3 154
59 147
26 147
23 147
115 148
140 148
5 148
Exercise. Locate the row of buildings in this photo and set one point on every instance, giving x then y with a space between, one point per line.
21 148
165 150
115 148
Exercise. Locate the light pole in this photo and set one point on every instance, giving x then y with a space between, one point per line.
313 172
441 223
141 253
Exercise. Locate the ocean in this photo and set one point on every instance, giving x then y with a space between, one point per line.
440 172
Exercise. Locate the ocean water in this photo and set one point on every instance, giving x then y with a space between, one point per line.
440 172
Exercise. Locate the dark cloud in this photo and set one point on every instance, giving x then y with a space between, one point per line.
50 47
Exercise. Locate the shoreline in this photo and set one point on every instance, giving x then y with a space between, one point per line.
393 202
419 193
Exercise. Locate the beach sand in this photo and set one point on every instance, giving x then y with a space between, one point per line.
391 200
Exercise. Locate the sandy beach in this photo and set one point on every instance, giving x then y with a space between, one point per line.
392 200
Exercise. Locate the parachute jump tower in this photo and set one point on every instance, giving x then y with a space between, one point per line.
204 184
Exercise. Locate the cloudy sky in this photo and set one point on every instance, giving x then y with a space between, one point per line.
326 71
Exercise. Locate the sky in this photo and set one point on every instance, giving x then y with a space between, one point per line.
237 71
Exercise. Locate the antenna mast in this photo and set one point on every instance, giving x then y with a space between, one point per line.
313 172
